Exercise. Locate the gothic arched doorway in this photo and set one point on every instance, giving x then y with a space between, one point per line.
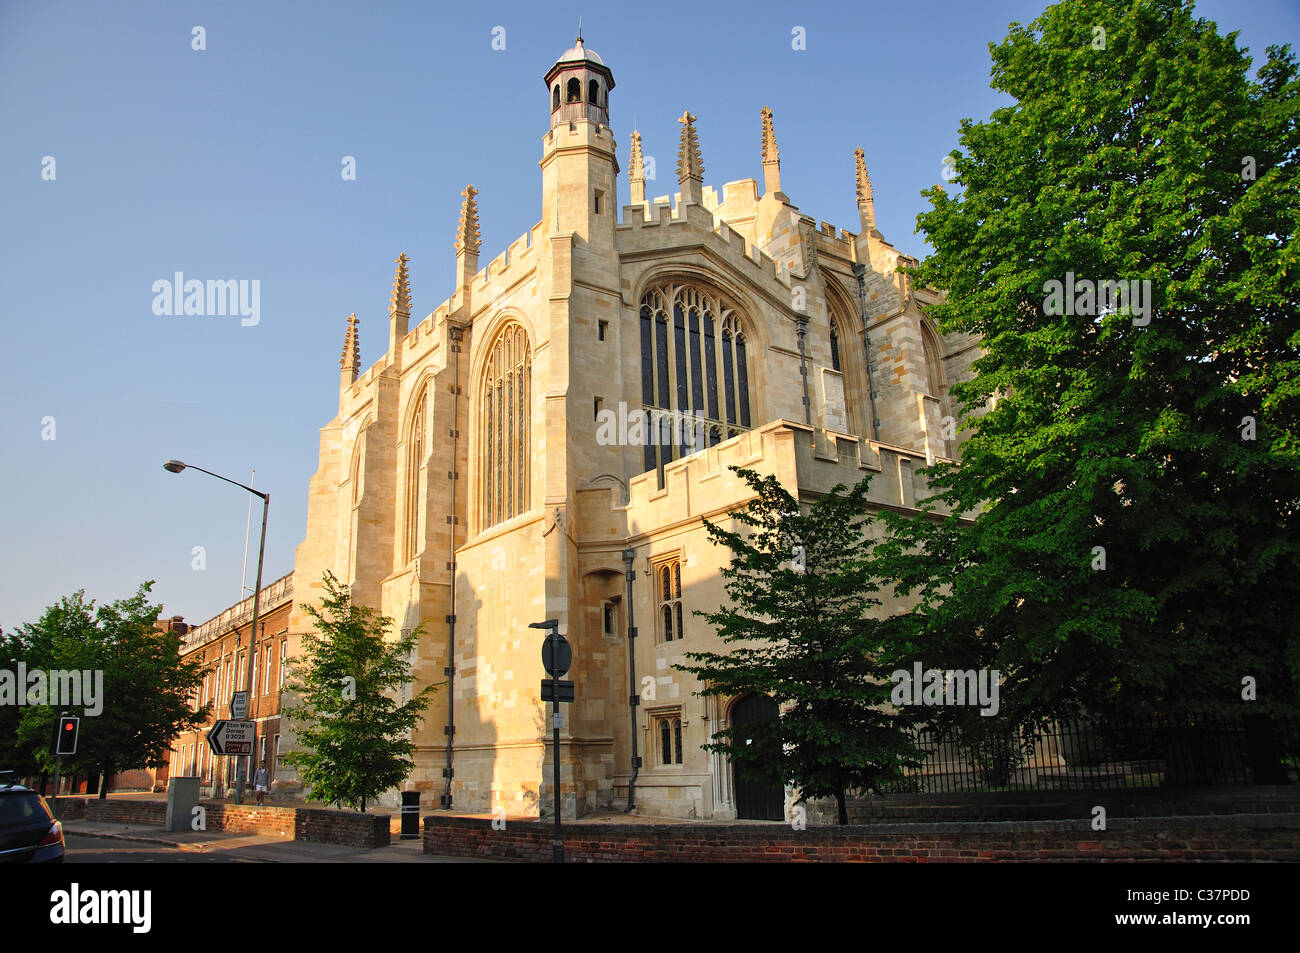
763 799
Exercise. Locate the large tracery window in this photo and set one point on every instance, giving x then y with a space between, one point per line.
504 461
700 377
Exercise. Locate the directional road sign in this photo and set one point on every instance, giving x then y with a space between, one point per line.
239 705
232 737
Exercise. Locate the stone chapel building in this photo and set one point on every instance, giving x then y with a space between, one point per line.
467 482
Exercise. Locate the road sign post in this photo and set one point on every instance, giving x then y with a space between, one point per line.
557 656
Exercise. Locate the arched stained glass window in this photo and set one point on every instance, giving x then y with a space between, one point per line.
835 347
695 390
504 457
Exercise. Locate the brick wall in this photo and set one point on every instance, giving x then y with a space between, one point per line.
121 811
1205 838
349 828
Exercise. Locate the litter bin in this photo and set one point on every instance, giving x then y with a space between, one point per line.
410 814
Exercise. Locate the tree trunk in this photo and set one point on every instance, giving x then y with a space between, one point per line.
842 804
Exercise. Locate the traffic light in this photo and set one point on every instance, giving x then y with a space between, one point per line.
67 743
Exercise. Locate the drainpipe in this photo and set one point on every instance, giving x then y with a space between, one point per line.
860 272
455 334
801 330
633 699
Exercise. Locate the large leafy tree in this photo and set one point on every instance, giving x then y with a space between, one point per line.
1134 485
147 687
802 629
355 736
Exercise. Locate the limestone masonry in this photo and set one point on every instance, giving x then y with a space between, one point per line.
466 484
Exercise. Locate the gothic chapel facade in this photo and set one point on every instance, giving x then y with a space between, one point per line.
466 484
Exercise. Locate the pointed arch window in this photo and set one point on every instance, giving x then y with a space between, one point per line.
415 479
694 372
835 347
356 474
504 460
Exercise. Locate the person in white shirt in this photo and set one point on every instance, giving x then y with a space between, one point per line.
261 781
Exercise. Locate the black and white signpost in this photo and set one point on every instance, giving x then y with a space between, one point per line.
557 656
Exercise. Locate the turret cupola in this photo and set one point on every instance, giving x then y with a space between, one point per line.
578 86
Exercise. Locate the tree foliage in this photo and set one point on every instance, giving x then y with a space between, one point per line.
801 628
355 736
1137 147
147 687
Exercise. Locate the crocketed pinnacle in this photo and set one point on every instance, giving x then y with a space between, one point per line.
467 235
770 151
399 302
350 360
636 173
771 155
689 165
637 170
866 201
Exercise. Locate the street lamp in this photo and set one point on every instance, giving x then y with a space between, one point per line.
175 466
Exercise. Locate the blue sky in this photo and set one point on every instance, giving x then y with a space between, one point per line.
225 163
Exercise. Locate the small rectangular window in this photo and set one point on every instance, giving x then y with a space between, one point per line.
599 197
601 328
607 614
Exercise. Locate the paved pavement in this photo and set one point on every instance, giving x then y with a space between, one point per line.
244 847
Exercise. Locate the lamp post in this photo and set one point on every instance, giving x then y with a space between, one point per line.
175 466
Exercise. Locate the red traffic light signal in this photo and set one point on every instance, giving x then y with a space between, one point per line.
67 743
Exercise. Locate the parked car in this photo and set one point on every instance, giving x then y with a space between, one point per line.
28 831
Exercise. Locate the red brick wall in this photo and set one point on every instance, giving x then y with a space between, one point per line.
1188 838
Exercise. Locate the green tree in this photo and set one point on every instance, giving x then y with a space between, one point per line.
147 689
802 630
1134 486
354 735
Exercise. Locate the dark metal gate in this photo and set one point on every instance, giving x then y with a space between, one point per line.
764 799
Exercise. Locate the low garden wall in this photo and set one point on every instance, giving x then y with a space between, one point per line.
318 825
1193 838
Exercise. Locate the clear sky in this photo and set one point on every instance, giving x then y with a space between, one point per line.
225 164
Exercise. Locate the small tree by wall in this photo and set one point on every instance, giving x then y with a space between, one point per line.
355 737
